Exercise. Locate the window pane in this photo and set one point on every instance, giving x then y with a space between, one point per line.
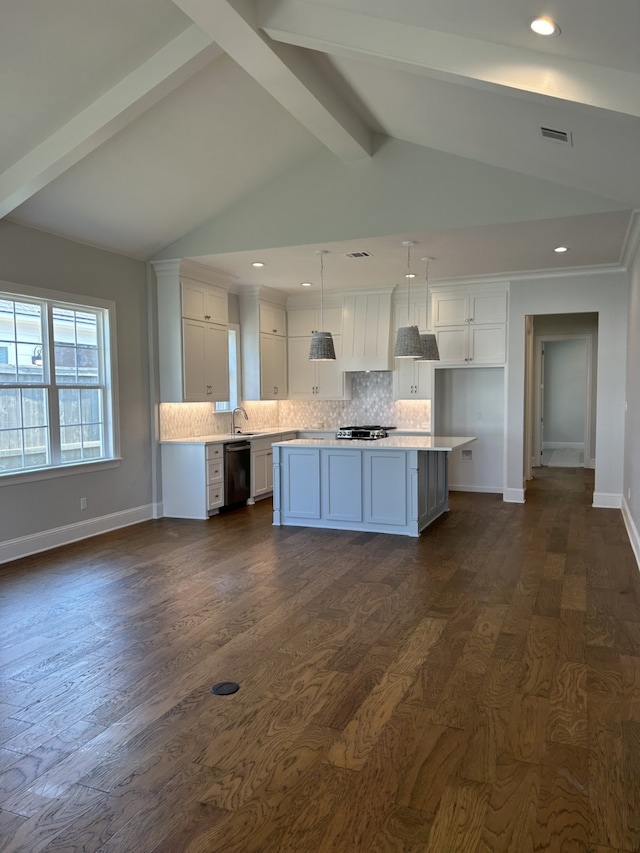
76 347
36 451
21 343
91 406
69 404
92 442
70 444
10 449
10 409
34 407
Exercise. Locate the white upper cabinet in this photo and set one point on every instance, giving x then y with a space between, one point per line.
193 335
470 324
263 328
316 380
204 302
366 332
273 319
303 322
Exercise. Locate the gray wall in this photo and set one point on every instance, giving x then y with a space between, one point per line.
40 260
565 392
604 293
631 493
470 401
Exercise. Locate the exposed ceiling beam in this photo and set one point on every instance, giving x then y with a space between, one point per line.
285 73
334 31
149 83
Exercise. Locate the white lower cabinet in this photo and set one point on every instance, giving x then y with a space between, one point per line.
262 463
192 480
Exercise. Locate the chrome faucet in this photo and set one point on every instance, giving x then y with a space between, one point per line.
234 429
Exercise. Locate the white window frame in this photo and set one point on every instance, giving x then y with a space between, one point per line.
112 458
235 388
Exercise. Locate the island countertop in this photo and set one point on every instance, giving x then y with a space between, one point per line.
392 442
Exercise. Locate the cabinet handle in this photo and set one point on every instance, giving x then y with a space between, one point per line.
209 390
275 389
207 316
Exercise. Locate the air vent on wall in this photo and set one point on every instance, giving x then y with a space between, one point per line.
359 255
557 135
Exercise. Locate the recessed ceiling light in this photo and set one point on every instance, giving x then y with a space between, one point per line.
561 249
257 264
545 27
305 284
410 275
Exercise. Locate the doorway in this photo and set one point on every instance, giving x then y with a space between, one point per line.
564 371
561 377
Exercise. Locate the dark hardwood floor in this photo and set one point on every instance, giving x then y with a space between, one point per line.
477 689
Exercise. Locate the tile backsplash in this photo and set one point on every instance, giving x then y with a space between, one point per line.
371 403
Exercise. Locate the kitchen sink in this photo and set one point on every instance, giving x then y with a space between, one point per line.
243 433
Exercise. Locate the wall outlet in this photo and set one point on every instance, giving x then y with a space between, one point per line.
83 503
467 455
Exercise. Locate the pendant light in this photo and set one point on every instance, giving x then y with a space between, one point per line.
322 348
408 338
430 351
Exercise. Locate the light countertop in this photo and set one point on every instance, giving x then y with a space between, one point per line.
328 435
395 442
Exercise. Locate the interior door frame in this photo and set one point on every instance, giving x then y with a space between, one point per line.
539 396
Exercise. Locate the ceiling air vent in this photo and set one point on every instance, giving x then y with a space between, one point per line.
557 135
359 255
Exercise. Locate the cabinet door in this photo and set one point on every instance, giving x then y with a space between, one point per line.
205 362
262 472
452 344
302 372
273 367
487 344
385 487
331 382
342 482
302 322
488 307
413 380
301 483
204 302
449 309
404 379
273 319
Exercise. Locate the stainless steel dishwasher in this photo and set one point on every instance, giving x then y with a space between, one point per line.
237 472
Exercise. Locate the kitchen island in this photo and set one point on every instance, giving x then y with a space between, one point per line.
397 484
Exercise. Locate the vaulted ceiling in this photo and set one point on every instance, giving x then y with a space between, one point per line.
129 124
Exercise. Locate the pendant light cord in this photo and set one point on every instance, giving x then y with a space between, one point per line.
322 291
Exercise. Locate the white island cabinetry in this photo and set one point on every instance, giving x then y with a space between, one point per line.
395 485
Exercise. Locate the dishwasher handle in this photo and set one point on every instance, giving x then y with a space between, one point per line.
234 446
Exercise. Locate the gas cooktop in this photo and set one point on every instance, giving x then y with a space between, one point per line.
368 432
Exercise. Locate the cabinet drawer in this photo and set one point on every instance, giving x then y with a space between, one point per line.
214 451
214 471
215 496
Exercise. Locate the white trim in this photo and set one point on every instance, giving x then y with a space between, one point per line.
24 546
158 509
32 475
563 445
493 490
607 500
632 530
513 496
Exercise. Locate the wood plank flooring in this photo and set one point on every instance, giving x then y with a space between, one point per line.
477 689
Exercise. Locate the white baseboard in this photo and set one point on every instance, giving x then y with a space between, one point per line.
632 530
495 490
563 445
24 546
607 500
513 496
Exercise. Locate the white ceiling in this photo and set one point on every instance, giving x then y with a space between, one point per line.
128 124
